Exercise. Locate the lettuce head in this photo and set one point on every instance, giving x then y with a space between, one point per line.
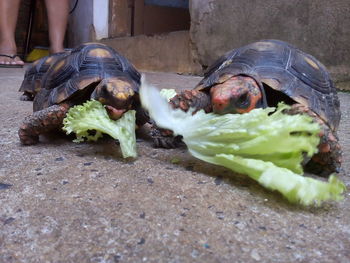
92 116
265 144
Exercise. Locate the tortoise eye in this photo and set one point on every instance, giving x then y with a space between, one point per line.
243 100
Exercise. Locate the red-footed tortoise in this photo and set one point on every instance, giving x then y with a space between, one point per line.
262 74
90 71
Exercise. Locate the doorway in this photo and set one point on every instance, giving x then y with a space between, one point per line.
148 17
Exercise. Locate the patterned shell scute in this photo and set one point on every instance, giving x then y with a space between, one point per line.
284 68
34 74
87 64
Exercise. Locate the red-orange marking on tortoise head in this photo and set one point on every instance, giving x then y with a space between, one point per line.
225 96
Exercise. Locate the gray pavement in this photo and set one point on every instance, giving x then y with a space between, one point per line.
83 203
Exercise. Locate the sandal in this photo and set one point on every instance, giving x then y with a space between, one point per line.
3 65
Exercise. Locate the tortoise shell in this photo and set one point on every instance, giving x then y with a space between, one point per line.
69 77
33 77
282 67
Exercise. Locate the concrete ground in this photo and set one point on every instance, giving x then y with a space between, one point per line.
67 202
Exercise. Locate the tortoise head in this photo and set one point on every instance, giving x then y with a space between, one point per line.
238 94
116 94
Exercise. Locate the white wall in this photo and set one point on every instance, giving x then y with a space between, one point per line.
100 18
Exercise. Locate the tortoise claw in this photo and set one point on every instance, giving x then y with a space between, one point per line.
187 99
27 137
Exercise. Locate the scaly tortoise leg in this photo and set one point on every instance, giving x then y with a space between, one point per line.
42 121
195 99
163 138
329 157
185 100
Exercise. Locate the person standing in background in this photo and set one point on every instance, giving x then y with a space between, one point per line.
57 12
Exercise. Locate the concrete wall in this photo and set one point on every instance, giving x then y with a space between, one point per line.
321 28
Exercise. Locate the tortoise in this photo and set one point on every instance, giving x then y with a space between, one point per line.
90 71
263 74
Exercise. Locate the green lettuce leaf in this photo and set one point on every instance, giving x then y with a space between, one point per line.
92 115
167 93
266 144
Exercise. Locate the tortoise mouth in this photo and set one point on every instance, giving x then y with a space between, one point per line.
114 113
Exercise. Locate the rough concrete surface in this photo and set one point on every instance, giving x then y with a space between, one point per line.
68 202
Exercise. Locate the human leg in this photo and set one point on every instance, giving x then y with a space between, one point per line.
8 21
57 12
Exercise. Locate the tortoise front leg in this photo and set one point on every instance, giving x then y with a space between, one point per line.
163 138
194 99
40 122
185 100
328 159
